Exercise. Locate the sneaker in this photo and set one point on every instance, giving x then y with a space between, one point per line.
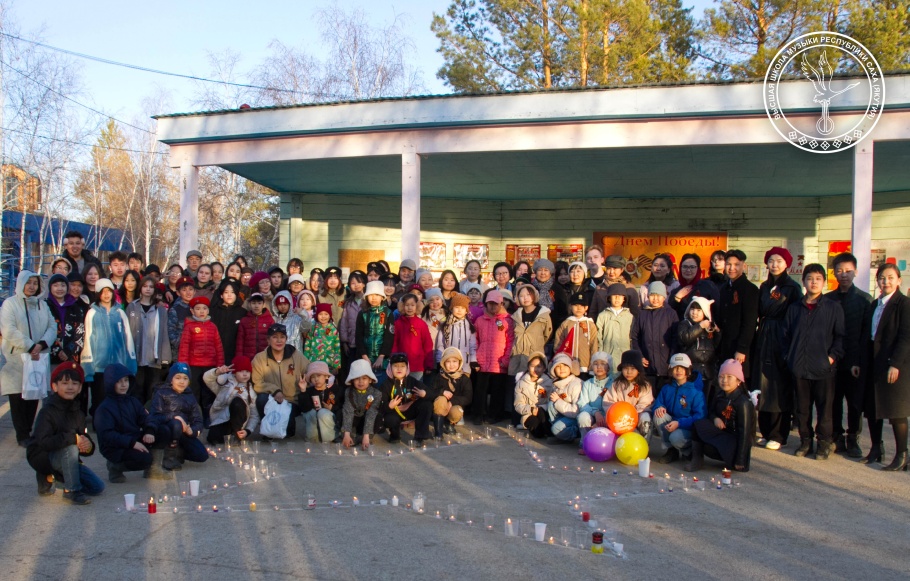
671 455
45 487
805 448
77 497
772 445
761 442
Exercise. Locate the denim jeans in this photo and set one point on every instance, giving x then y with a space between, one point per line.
320 425
76 476
565 428
679 438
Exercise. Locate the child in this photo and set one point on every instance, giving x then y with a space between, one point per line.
405 398
332 292
533 329
532 392
457 331
614 324
60 438
373 333
324 343
107 340
260 283
434 313
678 407
475 294
813 343
320 403
453 391
412 337
654 335
121 423
495 336
148 328
353 304
563 410
361 404
577 336
252 337
306 304
200 348
590 402
234 410
631 386
287 317
69 314
180 311
177 420
296 285
727 433
698 337
390 288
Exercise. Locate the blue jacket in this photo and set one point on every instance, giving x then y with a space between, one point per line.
685 403
120 420
592 399
167 404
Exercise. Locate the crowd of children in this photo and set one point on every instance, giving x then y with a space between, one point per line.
547 347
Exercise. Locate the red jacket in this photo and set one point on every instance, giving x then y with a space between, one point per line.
252 336
200 344
495 336
412 336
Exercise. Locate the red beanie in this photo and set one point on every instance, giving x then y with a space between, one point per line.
199 301
782 252
324 308
67 366
242 363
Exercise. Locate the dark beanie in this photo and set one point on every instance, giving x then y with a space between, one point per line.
632 358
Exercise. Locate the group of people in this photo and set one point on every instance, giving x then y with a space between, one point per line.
159 359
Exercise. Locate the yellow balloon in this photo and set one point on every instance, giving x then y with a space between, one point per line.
630 448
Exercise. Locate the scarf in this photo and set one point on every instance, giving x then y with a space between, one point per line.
544 289
375 319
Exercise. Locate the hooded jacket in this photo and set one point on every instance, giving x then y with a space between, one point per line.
698 343
457 333
107 340
23 323
685 403
584 341
347 327
568 390
226 389
412 336
70 320
614 332
530 339
458 383
495 336
530 394
624 390
56 427
292 322
252 335
120 420
149 326
738 414
167 404
200 345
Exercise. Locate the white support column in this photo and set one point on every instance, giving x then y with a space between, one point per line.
861 237
189 210
410 204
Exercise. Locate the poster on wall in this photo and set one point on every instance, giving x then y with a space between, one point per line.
896 252
466 252
515 253
433 255
567 252
638 249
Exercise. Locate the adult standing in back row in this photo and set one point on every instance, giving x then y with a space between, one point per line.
736 312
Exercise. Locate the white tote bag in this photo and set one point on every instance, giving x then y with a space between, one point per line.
275 422
36 376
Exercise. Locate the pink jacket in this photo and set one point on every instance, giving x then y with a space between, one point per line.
495 336
412 336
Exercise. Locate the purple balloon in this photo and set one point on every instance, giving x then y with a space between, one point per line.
599 444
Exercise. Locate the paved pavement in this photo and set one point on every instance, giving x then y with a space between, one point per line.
788 518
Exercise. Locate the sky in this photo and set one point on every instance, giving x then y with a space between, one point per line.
177 36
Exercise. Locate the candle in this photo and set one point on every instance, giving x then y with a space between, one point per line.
509 528
214 508
198 508
438 515
592 469
394 501
356 501
307 450
727 476
175 510
585 516
153 508
253 506
551 541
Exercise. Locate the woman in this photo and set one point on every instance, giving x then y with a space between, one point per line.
661 270
691 285
129 289
174 272
316 280
148 328
91 275
562 273
294 266
205 286
333 292
769 370
717 264
347 327
226 314
260 283
502 277
217 272
448 284
27 326
533 328
523 268
578 281
886 365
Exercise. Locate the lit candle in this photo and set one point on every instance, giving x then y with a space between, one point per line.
198 508
356 501
727 476
175 510
307 450
510 528
438 515
214 508
253 506
551 541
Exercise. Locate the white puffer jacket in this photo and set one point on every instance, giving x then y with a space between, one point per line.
23 322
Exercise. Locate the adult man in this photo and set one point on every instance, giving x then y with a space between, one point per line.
614 265
117 264
854 302
193 261
75 253
594 258
736 310
277 371
406 271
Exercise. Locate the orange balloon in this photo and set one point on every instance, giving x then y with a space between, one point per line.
622 417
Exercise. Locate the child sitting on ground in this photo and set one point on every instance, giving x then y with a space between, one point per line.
532 392
60 438
563 409
362 401
177 420
320 403
324 343
234 410
727 433
405 398
677 407
590 402
453 393
121 423
631 386
577 335
373 333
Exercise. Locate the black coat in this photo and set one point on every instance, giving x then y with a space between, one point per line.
811 336
559 312
736 313
769 371
462 391
890 348
227 320
70 329
654 335
56 427
334 396
167 404
700 346
854 302
120 421
738 414
703 288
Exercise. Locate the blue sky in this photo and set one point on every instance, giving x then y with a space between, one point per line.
177 35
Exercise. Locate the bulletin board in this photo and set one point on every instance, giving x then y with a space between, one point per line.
357 259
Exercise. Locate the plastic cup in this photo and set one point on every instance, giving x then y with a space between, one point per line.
130 501
453 512
644 467
565 536
194 488
582 538
527 528
489 521
468 514
316 403
184 488
540 531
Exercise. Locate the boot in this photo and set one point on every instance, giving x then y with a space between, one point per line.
876 452
438 423
46 485
900 462
823 450
853 449
840 445
698 457
805 447
115 473
170 461
671 455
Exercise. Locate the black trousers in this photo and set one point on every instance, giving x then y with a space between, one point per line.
146 379
203 394
657 383
496 386
775 426
133 459
239 414
846 387
22 412
420 411
539 425
97 389
817 393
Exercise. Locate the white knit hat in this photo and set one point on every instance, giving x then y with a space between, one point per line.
375 287
360 368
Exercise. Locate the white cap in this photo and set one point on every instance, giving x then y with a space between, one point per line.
679 360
